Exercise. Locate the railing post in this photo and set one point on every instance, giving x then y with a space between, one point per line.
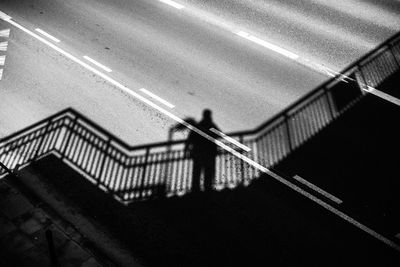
328 99
362 77
106 148
146 158
394 56
242 169
63 151
42 140
287 127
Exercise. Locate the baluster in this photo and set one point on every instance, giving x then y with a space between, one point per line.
287 127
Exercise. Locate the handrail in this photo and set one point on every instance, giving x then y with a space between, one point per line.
139 172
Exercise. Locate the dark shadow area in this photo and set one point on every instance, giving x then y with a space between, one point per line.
263 224
356 159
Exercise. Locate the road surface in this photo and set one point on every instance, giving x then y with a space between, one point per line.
191 57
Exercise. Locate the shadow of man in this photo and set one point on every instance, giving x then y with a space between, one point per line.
203 153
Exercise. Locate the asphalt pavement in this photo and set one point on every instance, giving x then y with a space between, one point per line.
192 58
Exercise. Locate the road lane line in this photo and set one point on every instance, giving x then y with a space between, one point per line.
219 143
1 74
317 189
47 35
97 64
3 46
230 139
5 33
159 99
4 16
382 95
2 60
268 45
172 3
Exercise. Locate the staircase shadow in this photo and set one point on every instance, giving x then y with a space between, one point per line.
264 223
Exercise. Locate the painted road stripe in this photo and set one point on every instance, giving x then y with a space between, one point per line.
48 35
172 3
1 74
159 99
5 33
4 16
230 139
319 190
2 60
97 64
219 143
3 46
268 45
382 95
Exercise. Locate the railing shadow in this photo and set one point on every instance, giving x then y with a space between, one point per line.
133 173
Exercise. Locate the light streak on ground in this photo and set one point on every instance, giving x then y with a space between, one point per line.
156 97
230 139
317 189
172 3
48 35
97 64
217 142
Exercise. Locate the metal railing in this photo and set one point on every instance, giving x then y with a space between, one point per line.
141 172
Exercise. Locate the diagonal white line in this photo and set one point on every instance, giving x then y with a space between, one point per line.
268 45
230 139
156 97
47 35
219 143
317 189
172 3
4 16
382 95
97 64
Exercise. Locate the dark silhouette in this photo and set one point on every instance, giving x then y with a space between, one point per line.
203 152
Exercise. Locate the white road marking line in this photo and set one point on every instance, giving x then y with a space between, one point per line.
1 74
382 95
230 139
219 143
319 190
5 33
172 3
2 60
3 46
4 16
97 64
156 97
268 45
48 35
